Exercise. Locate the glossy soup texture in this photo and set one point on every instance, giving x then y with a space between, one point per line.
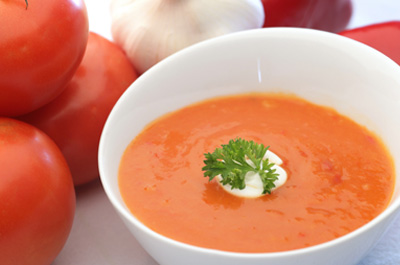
340 176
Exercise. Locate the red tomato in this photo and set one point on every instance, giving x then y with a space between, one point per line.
75 119
329 15
385 37
41 46
37 197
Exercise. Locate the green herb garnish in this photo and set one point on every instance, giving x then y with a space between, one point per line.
230 161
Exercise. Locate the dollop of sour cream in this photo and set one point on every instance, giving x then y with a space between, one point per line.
254 185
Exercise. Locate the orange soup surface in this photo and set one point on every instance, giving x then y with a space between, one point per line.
340 175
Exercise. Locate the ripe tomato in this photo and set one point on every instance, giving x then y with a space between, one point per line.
329 15
41 46
37 197
75 119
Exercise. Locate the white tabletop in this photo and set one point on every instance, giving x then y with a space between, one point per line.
98 235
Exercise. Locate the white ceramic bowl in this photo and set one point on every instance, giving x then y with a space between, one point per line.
321 67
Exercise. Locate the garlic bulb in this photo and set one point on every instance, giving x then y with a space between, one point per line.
151 30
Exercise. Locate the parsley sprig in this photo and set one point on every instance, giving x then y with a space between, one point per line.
231 162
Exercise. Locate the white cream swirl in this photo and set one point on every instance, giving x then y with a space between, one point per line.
254 185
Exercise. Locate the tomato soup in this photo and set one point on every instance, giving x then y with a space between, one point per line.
340 176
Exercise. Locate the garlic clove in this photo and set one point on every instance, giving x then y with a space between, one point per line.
150 30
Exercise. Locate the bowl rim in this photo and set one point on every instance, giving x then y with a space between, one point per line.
391 209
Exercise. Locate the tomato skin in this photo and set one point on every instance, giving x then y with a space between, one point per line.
75 119
37 196
328 15
41 47
385 37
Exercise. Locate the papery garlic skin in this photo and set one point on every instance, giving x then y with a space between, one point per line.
150 30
